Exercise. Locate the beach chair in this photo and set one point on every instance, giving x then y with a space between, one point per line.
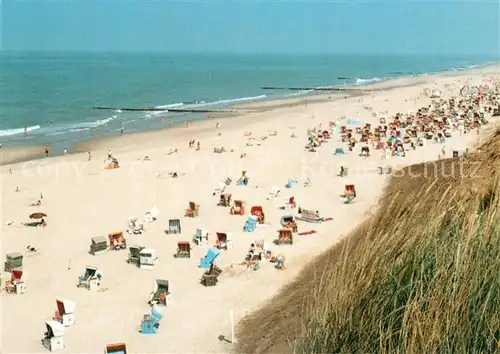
250 224
53 338
259 213
291 182
210 277
134 226
200 237
193 211
275 191
117 241
15 285
206 262
151 216
13 260
285 237
288 222
134 253
148 258
243 181
90 279
339 151
151 321
174 227
224 240
349 193
116 348
161 294
65 313
238 208
183 249
308 216
280 262
98 245
225 200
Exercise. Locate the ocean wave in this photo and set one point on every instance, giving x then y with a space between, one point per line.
172 105
78 127
187 105
360 81
228 101
298 93
94 124
9 132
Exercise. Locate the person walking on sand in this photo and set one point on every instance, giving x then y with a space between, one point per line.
198 145
65 152
90 156
47 150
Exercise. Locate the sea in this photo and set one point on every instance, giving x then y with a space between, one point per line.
48 98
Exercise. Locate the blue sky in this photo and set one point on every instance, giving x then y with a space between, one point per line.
391 26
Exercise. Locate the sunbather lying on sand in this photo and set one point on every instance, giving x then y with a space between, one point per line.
37 203
176 174
31 248
273 133
247 133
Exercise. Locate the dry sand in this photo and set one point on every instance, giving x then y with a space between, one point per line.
83 200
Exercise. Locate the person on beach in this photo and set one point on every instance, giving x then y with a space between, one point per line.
121 131
90 156
110 154
47 150
198 145
65 152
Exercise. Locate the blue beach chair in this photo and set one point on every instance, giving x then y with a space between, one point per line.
206 262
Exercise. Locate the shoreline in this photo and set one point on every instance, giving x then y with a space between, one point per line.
23 153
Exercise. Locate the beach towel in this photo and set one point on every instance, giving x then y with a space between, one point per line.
327 219
305 233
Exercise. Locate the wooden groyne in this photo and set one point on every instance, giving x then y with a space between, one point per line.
156 109
305 88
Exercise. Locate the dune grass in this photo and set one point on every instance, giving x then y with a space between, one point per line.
421 276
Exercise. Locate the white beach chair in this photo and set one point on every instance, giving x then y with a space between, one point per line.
275 191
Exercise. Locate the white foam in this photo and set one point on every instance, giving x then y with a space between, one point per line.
360 81
9 132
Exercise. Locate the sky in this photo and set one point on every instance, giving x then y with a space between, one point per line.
253 26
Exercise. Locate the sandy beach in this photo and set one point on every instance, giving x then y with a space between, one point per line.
83 200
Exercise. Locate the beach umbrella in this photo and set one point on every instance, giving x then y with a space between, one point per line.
37 215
